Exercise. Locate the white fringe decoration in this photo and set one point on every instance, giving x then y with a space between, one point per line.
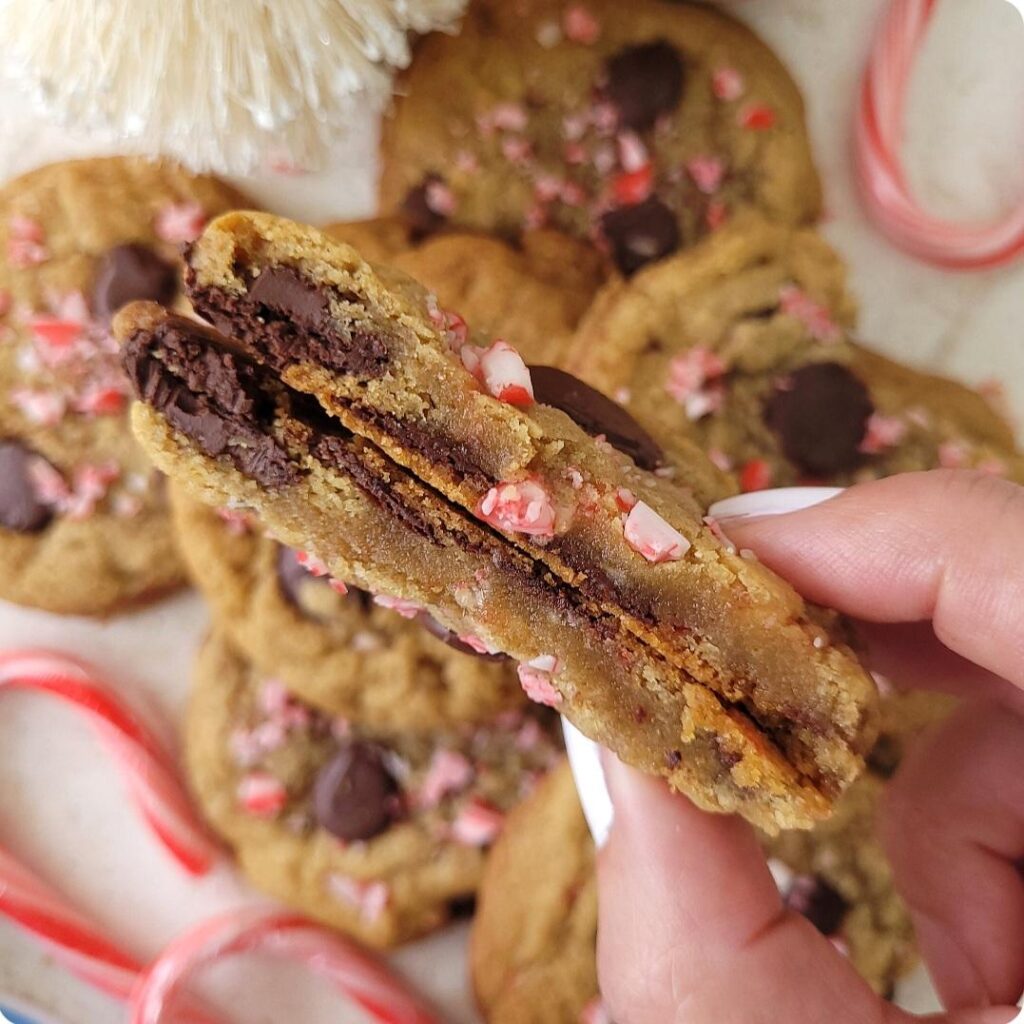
222 85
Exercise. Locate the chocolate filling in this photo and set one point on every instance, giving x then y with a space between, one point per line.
211 393
286 319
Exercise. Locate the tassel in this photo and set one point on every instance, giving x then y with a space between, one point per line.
221 85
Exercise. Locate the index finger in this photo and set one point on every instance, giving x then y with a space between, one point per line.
945 546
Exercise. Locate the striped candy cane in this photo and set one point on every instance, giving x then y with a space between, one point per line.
357 974
147 770
74 941
880 174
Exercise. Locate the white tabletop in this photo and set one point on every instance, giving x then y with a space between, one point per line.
61 806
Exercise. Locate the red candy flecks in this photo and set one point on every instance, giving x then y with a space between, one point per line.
523 507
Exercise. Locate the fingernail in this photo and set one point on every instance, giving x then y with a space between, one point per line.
773 502
588 774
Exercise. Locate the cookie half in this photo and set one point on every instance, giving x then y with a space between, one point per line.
642 126
84 526
501 515
382 835
336 648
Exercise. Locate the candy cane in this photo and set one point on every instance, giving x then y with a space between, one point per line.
361 977
883 183
147 770
74 941
67 935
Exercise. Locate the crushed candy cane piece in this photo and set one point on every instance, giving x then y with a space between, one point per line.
477 824
313 565
448 772
57 336
633 153
44 408
580 25
502 372
535 679
101 400
716 214
707 173
758 117
26 242
727 84
650 535
816 317
407 609
548 34
237 522
625 499
176 223
517 149
633 187
261 795
508 117
370 899
477 644
882 432
440 199
720 459
523 507
755 475
338 586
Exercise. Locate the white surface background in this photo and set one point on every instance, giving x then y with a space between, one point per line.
61 806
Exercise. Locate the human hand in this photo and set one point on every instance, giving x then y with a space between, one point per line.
692 928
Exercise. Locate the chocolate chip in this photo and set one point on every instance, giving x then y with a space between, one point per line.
818 902
286 292
354 796
130 272
820 413
20 508
645 82
462 908
640 234
446 636
593 412
420 217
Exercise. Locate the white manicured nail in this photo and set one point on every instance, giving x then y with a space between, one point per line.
585 762
773 502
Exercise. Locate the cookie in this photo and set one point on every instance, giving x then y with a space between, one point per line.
339 651
532 294
382 835
642 127
499 514
532 947
744 346
84 527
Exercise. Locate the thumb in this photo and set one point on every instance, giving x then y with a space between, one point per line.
692 928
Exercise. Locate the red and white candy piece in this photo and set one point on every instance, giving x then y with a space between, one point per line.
502 372
477 824
147 770
883 183
180 222
652 536
523 507
535 679
358 975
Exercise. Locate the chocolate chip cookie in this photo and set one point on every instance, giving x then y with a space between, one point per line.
337 648
531 294
382 835
640 126
532 948
744 346
84 527
426 470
